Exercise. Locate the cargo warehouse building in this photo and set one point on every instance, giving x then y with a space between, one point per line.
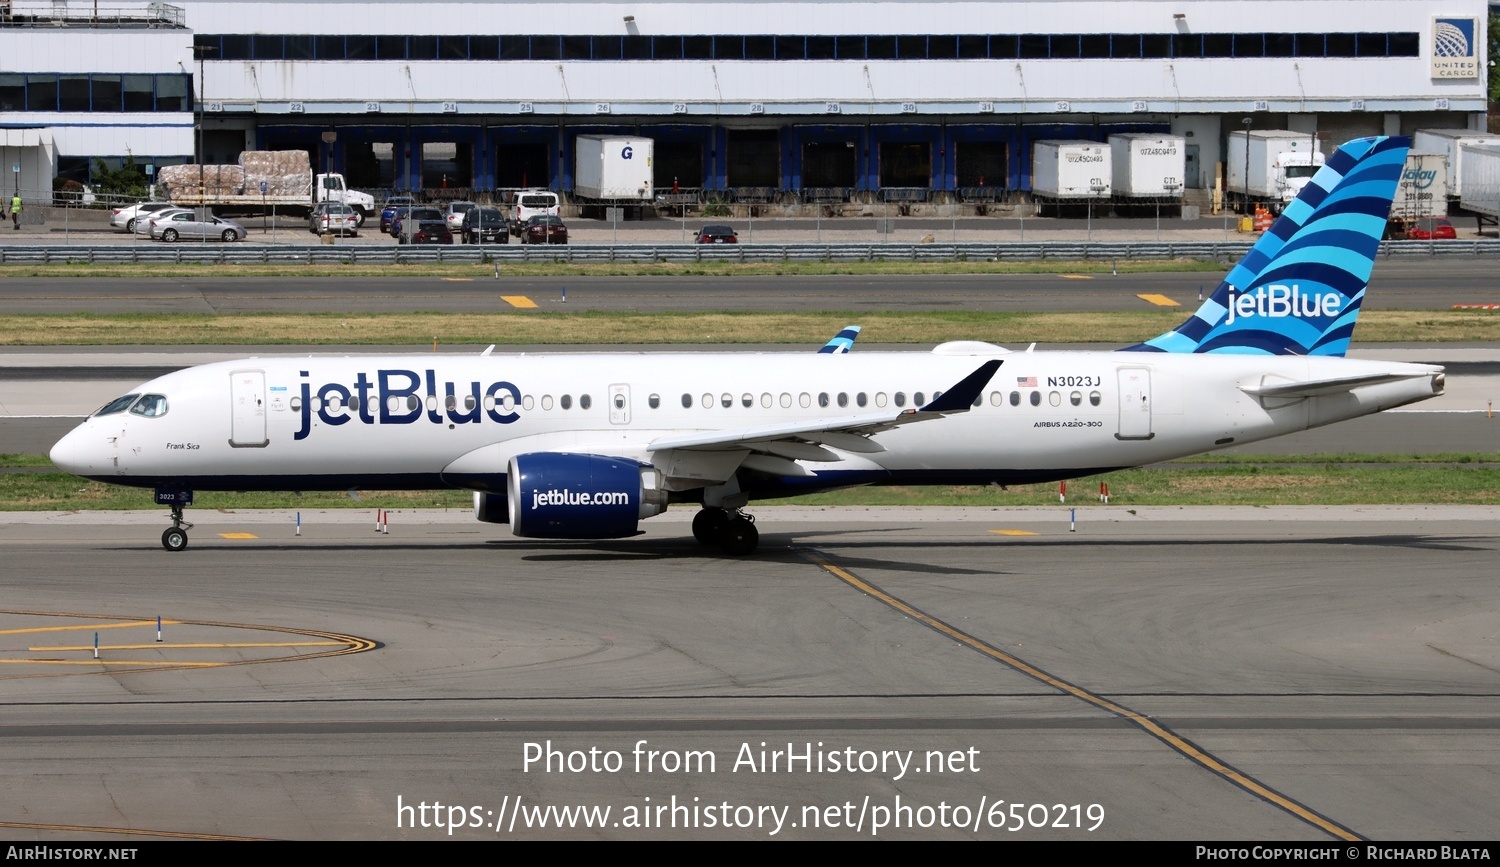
907 100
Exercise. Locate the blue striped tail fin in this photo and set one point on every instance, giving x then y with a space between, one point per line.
1299 289
841 342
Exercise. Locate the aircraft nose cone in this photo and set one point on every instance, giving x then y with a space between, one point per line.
79 452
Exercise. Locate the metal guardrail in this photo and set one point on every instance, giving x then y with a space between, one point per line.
326 254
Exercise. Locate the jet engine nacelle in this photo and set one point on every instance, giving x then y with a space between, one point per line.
569 496
491 508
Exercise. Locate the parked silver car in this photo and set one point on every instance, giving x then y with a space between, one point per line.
199 225
127 216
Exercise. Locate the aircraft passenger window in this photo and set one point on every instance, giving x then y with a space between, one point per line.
747 400
843 399
296 404
654 401
354 403
708 401
936 395
584 401
393 403
1075 398
119 404
727 399
687 401
822 398
469 403
860 398
527 402
508 401
566 401
432 403
489 402
805 400
916 399
317 404
1093 398
450 402
1055 398
412 401
1036 398
979 400
765 400
786 400
1015 398
880 398
900 398
546 401
335 403
996 398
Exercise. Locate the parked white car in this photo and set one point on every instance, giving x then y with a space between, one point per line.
454 214
125 217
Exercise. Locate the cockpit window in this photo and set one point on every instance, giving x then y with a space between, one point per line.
150 406
119 404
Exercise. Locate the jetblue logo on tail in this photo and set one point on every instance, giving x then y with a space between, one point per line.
1279 301
1298 290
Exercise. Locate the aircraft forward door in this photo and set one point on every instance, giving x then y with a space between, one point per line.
1135 404
619 404
247 421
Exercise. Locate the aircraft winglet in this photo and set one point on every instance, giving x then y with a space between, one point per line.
841 342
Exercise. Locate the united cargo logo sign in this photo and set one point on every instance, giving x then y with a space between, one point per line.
1454 52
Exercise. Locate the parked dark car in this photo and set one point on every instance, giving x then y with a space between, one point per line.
484 226
544 229
427 232
417 214
392 205
717 235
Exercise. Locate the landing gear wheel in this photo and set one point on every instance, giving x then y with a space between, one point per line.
740 536
709 524
174 539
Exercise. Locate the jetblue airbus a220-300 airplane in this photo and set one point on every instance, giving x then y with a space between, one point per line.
585 446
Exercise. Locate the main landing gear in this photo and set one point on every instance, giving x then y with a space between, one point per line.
734 531
175 537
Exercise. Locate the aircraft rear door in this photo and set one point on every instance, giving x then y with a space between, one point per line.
1135 404
619 404
247 421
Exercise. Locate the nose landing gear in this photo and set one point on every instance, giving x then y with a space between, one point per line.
175 537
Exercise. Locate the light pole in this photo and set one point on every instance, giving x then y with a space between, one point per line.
200 52
1247 121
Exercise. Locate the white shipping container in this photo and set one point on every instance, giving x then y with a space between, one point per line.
614 168
1450 143
1423 188
1147 165
1070 170
1481 180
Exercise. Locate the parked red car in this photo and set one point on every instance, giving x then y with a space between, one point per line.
1430 229
544 229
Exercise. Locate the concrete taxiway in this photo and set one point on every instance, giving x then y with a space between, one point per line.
1316 674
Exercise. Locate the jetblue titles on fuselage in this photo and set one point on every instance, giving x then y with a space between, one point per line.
395 396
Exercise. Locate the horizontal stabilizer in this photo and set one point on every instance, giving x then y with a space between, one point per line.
1337 385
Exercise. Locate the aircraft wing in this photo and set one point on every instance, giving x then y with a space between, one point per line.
1315 387
798 440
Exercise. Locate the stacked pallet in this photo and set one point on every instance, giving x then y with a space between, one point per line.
286 173
218 181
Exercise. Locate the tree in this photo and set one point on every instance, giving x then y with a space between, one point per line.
127 180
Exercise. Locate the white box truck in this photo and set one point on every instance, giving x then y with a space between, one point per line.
1147 167
1481 182
1268 167
613 169
1067 172
1422 190
1451 143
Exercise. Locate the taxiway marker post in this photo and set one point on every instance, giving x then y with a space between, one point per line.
1062 492
299 524
96 645
158 628
1072 520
